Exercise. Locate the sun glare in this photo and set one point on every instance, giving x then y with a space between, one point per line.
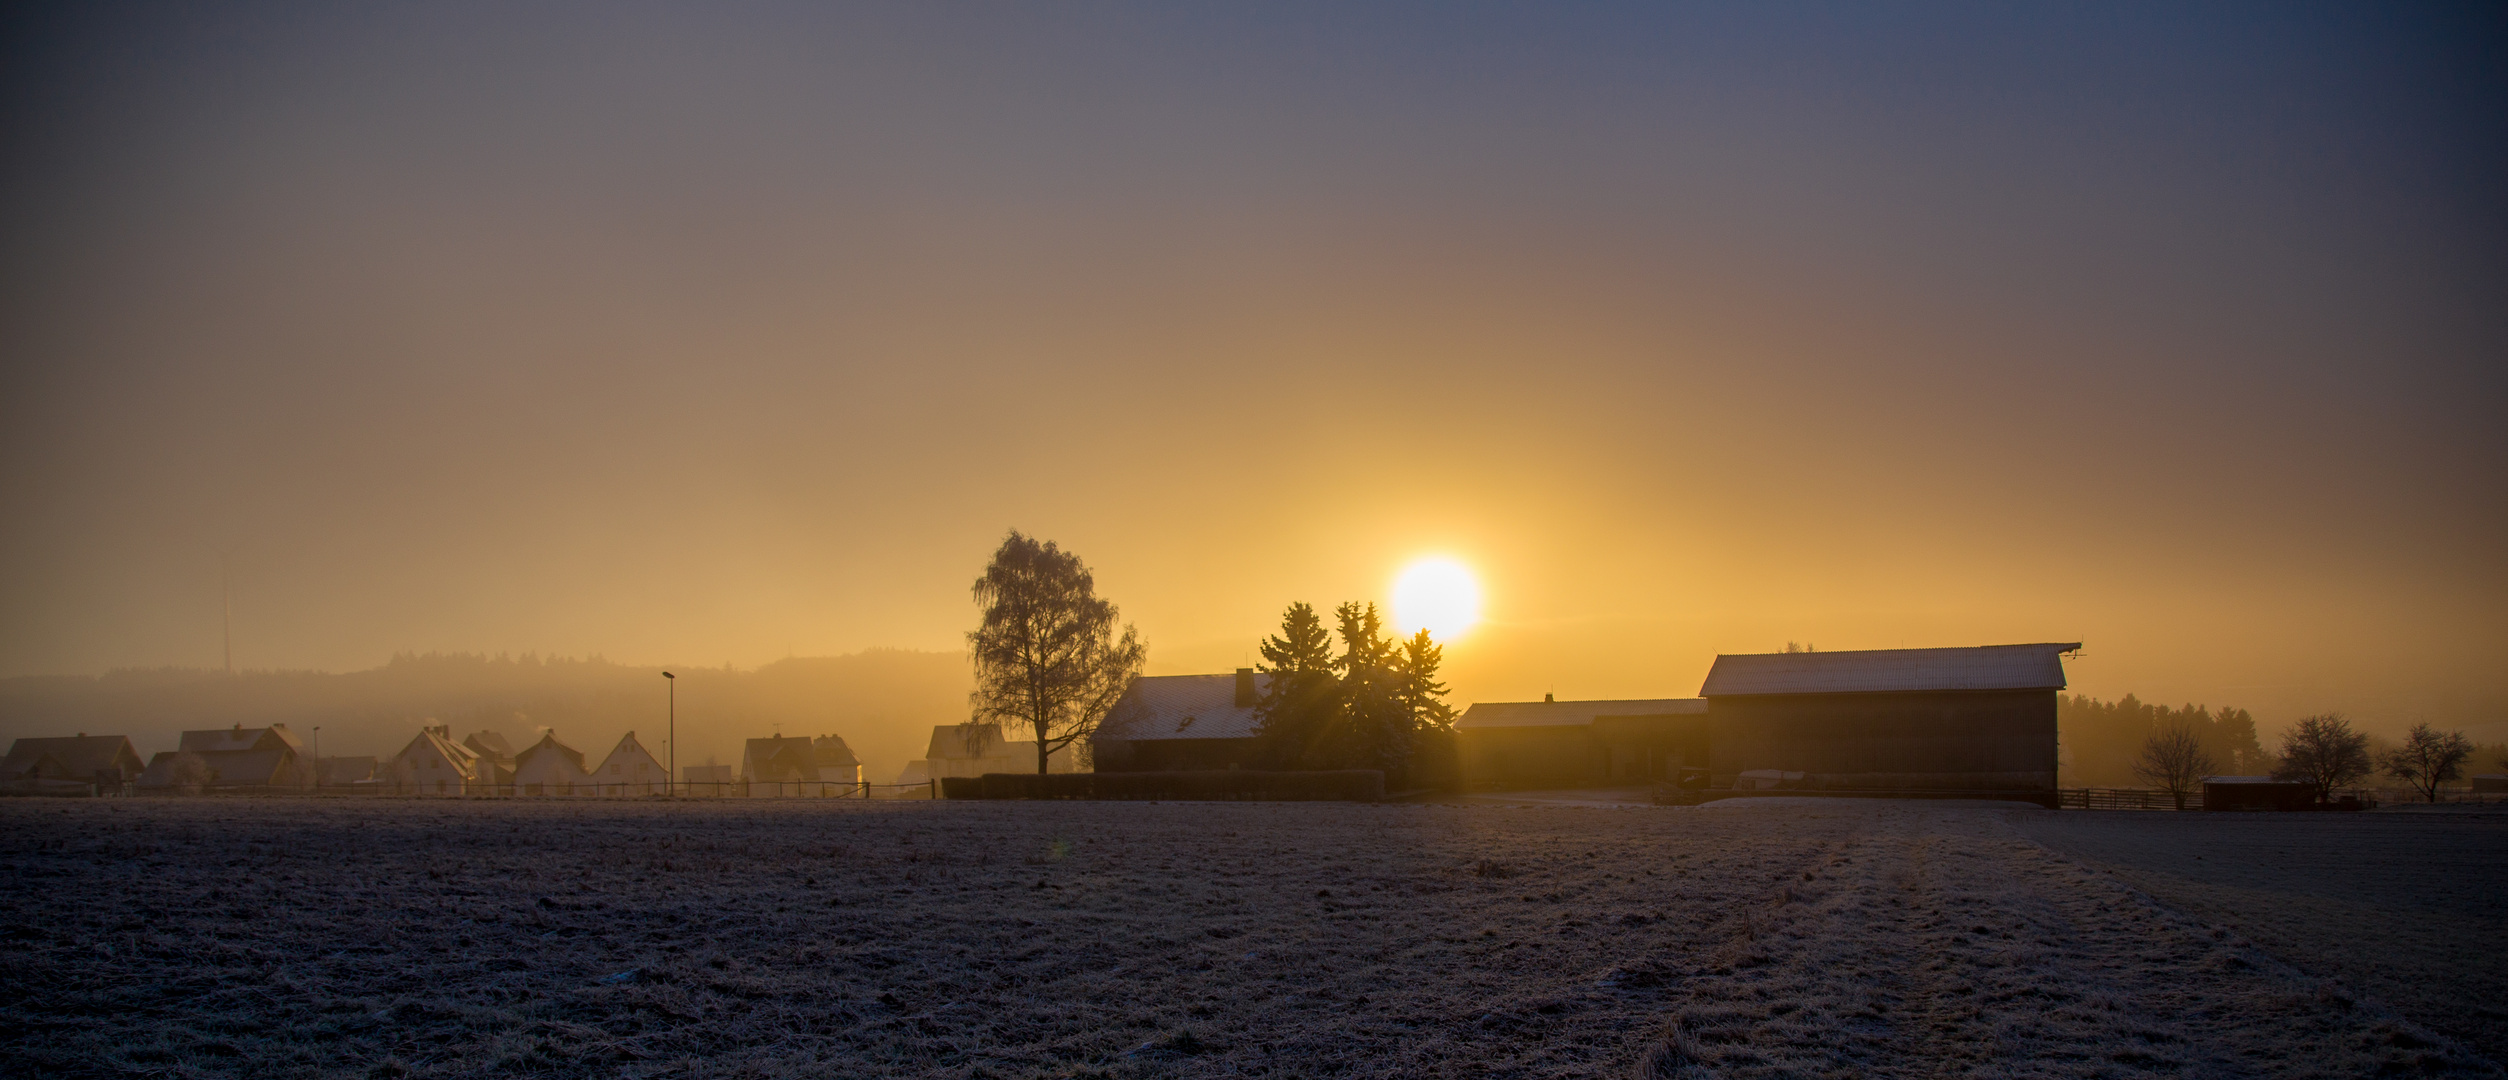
1437 595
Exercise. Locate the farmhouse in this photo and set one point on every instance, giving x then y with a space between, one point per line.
496 757
550 767
1165 722
631 770
1900 720
798 766
231 757
216 770
1547 743
107 762
433 764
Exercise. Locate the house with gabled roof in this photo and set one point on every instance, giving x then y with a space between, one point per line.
550 767
231 757
496 757
631 770
433 764
1165 722
104 764
779 766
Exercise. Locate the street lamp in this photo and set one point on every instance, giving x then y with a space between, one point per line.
317 733
672 740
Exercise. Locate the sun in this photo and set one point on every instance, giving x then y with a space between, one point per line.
1436 595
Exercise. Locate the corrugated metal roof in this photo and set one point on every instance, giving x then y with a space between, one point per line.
1181 707
1498 714
1882 671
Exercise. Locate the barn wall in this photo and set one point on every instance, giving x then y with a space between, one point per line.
1529 757
1964 741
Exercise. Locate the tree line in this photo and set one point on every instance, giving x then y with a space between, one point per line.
2323 751
2104 740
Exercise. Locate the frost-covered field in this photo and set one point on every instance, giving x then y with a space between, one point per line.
285 938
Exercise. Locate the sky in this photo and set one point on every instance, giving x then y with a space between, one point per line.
708 334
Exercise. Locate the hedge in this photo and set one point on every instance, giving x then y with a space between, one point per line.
1344 785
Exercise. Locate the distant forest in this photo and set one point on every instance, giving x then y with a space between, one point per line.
884 702
2100 739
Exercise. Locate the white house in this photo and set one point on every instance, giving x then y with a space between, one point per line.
550 767
976 749
630 770
433 764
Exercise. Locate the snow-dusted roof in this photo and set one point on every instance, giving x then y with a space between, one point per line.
79 756
1882 671
1181 707
1498 714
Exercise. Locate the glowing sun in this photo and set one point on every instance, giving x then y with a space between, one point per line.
1436 595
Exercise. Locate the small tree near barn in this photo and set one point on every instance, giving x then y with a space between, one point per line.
2173 760
2323 751
1047 654
2428 759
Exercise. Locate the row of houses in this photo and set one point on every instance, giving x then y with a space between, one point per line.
273 758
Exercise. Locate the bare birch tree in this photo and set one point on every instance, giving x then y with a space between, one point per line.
1047 654
2173 760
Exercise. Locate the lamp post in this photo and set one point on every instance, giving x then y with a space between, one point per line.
672 740
317 734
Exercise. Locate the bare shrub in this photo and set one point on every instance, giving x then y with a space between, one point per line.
2173 760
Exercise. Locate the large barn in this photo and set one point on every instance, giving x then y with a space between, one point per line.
1901 720
1165 722
1898 720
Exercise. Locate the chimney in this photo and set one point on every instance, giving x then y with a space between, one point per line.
1245 688
1545 699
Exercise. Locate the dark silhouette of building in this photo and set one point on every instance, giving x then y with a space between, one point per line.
1547 743
1898 720
1166 722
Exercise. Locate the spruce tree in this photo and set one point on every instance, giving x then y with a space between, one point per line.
1374 731
1293 717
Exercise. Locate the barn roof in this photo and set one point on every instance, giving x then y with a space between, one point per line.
490 745
1510 714
81 756
1160 707
1882 671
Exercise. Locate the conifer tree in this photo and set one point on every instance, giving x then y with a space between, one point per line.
1375 726
1293 717
1422 695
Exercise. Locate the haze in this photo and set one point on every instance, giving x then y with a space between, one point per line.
702 337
